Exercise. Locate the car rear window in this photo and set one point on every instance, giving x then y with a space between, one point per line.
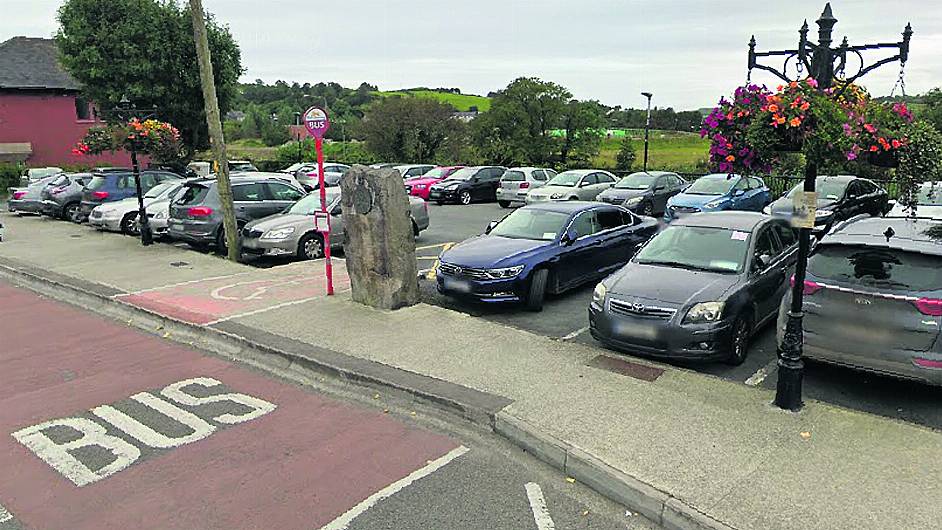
513 176
61 180
97 183
877 267
192 194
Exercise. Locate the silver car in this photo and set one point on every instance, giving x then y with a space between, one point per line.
292 231
517 182
307 174
928 203
573 185
121 216
29 199
873 298
407 171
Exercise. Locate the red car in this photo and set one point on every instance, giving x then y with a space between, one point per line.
419 186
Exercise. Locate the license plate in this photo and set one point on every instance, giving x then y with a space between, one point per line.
459 286
176 226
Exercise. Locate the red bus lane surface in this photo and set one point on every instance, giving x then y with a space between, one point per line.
105 427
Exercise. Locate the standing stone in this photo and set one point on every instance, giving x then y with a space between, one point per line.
380 244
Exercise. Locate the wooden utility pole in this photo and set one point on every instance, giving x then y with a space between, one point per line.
216 139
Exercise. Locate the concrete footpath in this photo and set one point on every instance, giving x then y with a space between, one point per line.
684 449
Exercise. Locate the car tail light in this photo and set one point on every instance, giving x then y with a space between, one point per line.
17 195
927 363
524 185
929 306
100 194
809 287
200 211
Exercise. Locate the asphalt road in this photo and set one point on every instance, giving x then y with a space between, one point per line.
107 427
565 317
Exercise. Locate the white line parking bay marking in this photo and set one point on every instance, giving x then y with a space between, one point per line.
541 514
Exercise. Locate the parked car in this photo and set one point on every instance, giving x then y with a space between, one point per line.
517 182
241 166
308 178
292 232
290 179
408 171
63 196
122 216
645 193
698 290
196 212
928 203
421 185
35 174
873 298
573 185
542 248
29 199
114 186
477 183
199 168
839 198
385 165
719 192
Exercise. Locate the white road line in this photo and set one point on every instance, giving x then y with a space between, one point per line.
538 506
262 310
5 515
574 334
762 373
344 520
189 282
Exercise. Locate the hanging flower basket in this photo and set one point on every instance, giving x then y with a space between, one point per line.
787 140
158 139
881 158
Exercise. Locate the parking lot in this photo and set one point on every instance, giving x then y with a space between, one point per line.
564 318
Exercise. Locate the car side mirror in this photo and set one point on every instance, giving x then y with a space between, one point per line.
569 237
475 179
583 184
763 261
739 193
490 226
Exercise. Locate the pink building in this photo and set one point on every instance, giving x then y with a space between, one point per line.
42 113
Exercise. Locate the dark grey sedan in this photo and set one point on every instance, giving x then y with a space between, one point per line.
63 196
699 289
644 193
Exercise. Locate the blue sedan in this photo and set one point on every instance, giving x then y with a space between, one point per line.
543 248
719 192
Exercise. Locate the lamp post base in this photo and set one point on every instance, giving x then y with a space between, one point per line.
790 365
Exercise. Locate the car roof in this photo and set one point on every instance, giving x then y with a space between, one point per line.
718 176
568 207
740 221
585 171
652 173
524 168
907 234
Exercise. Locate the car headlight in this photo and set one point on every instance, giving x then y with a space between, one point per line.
704 312
556 196
278 234
598 295
823 213
714 204
508 272
160 215
634 201
767 210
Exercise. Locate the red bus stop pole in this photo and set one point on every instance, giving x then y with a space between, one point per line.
319 147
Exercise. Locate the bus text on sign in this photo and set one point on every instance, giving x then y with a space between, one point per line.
316 121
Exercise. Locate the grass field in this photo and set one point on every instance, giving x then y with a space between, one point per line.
667 150
462 102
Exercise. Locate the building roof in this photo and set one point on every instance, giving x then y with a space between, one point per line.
28 63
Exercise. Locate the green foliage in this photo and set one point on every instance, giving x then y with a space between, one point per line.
10 176
462 102
582 122
668 151
144 49
411 130
347 153
920 161
932 113
661 119
626 155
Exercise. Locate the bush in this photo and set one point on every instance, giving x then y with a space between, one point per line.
346 153
10 176
626 155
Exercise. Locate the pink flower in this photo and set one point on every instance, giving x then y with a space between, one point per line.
812 82
851 155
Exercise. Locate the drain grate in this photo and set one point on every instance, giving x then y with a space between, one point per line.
75 236
628 368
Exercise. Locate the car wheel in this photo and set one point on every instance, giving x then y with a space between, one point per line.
311 246
647 210
130 226
573 198
440 203
464 197
415 229
504 204
739 343
70 212
197 246
537 291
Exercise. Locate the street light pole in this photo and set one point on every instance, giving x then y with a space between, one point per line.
824 63
125 111
647 128
297 123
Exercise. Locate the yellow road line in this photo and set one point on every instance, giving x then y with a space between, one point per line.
431 274
426 247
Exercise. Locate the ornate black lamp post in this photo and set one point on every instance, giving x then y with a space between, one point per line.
124 112
825 61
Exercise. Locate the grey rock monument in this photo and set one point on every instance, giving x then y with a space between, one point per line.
380 245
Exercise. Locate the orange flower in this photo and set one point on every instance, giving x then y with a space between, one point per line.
730 158
805 106
773 108
795 122
780 120
793 84
874 149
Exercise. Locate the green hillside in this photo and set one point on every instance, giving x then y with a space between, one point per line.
462 102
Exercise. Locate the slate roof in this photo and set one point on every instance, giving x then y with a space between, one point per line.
33 63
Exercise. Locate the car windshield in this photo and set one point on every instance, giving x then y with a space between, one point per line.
698 248
877 267
829 189
712 186
463 174
192 194
293 167
513 176
435 173
310 204
929 195
526 223
160 189
637 181
567 179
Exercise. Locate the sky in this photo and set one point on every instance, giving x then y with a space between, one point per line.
687 52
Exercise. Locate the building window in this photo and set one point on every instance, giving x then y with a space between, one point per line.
82 109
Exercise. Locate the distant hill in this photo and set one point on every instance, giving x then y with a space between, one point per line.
462 102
